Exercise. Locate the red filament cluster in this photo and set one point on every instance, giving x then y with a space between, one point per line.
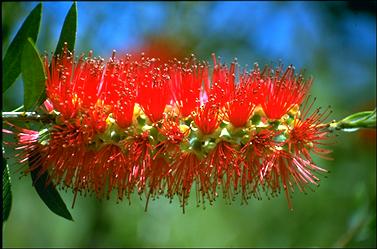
132 124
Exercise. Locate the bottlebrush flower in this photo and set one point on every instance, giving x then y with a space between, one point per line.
185 172
223 165
173 133
139 150
186 80
242 99
213 98
118 89
308 132
280 91
260 146
111 167
207 117
27 142
59 87
132 124
153 88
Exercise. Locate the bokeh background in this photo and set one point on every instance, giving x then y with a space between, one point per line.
333 41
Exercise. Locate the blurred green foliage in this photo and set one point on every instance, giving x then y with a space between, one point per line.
332 41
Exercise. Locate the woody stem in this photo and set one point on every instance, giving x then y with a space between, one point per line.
354 121
27 116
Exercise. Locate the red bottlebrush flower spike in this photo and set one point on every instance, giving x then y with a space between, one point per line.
65 155
184 173
27 143
112 168
139 150
207 117
171 130
166 152
186 84
294 166
254 153
138 125
223 82
308 133
157 178
214 97
86 80
285 171
118 89
276 171
59 87
153 88
223 164
242 101
280 93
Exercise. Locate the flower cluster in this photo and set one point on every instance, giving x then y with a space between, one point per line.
133 124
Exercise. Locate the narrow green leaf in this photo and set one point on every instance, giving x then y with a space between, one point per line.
12 58
18 108
33 76
361 119
355 121
48 193
7 193
68 33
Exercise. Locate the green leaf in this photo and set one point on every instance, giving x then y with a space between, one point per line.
12 58
48 193
361 119
33 76
18 108
7 193
68 33
355 121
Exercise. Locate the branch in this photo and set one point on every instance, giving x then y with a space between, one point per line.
28 116
353 122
